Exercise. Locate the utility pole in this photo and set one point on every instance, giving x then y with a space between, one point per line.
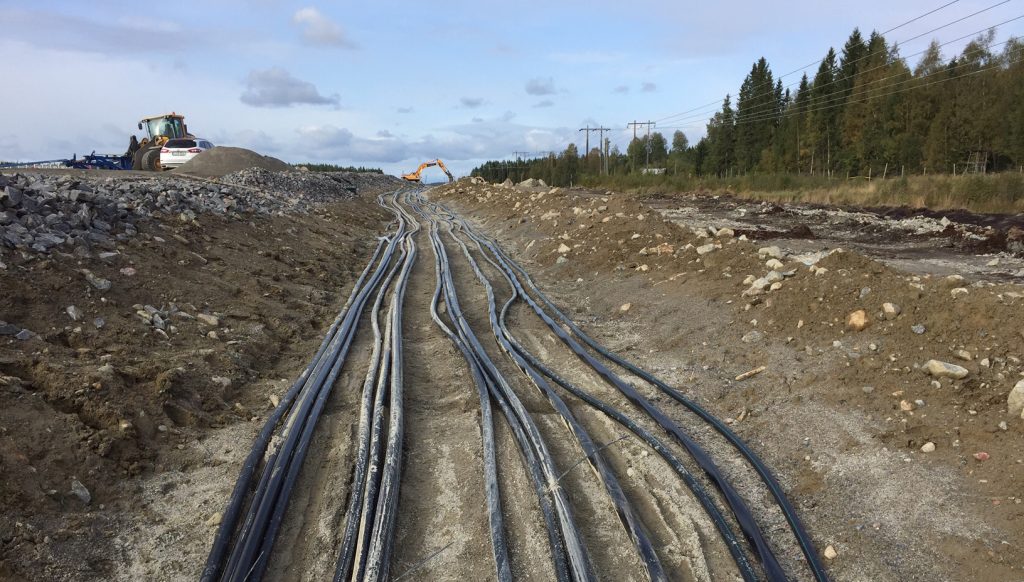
519 162
649 125
600 131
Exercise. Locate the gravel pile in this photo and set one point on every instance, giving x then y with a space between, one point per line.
43 212
300 188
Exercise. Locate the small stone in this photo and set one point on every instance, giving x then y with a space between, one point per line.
705 249
864 292
774 264
928 447
80 491
959 291
775 286
771 252
890 311
985 363
96 281
128 271
725 233
993 263
1015 401
918 329
214 520
858 320
275 400
625 307
964 355
208 319
74 313
906 405
868 389
8 328
23 335
981 456
752 337
99 322
1002 425
561 261
563 248
831 553
944 370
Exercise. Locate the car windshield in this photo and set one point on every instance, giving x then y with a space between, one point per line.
169 126
181 143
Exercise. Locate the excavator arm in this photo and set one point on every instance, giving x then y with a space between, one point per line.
415 176
441 165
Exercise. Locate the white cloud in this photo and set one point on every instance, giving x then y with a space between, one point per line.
648 87
276 87
319 30
621 89
544 103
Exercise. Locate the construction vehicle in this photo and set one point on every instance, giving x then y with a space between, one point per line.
145 154
415 176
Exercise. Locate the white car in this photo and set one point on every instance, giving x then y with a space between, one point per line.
178 151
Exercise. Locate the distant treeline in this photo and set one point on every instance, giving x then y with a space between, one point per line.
865 113
337 168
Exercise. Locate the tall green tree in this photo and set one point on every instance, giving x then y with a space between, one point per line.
758 110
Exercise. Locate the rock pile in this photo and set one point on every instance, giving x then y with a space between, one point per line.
299 188
43 212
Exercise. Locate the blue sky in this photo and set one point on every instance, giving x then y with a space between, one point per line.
390 84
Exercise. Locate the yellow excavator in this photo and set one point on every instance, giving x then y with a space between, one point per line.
415 176
145 154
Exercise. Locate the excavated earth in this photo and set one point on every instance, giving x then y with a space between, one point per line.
841 415
120 441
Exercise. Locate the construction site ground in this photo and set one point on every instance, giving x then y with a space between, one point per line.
154 428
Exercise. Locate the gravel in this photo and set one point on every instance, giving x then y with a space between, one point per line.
44 213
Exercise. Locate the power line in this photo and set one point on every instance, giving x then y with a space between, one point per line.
929 13
904 90
819 61
704 116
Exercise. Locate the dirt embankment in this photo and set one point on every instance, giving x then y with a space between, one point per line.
140 335
909 470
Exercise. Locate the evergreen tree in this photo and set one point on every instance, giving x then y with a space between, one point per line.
757 115
721 155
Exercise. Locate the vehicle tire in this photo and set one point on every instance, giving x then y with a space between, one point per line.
137 160
151 160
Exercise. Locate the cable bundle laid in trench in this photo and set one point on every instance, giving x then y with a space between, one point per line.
568 550
512 273
242 544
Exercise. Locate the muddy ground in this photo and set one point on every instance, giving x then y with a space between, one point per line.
155 427
984 246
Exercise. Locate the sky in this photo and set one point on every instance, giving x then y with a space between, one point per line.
390 84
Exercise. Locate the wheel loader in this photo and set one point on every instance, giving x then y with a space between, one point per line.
145 154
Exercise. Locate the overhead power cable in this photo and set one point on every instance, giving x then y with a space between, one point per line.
705 116
819 61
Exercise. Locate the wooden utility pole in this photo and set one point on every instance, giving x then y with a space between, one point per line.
600 131
649 125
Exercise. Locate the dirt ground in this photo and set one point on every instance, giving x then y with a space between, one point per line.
144 421
155 427
986 247
841 415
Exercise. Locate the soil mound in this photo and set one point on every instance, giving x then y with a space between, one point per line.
221 161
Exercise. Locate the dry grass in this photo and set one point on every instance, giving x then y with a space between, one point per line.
991 193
